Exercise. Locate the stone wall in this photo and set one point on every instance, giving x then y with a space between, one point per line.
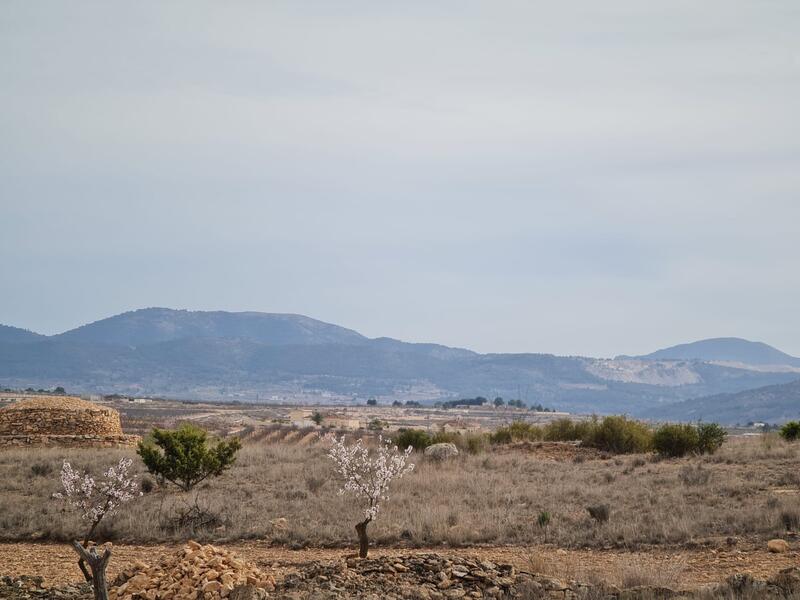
51 421
69 441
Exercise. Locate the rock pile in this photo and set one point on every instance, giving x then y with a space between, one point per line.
194 573
418 576
186 574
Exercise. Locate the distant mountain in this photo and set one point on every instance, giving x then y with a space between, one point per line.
15 335
155 325
734 350
770 404
248 356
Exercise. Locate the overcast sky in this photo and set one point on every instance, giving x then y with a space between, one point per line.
586 178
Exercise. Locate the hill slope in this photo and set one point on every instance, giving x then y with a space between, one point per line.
15 335
156 325
771 404
726 350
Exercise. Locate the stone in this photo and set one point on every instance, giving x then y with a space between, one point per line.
778 546
441 451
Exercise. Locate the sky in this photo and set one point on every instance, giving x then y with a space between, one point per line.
580 178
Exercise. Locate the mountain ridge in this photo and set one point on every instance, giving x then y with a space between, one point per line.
218 355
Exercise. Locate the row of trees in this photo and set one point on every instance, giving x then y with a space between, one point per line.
620 435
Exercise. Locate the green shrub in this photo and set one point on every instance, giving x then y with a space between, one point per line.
416 438
710 437
565 430
790 431
185 456
502 435
446 437
620 435
516 432
676 440
475 443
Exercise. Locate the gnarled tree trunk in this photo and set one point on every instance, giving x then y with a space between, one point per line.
98 565
363 540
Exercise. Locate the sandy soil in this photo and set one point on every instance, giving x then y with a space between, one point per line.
56 562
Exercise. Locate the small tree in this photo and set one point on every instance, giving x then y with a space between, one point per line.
367 476
317 418
498 402
96 500
711 436
185 456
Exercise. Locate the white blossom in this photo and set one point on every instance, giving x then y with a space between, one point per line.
94 499
366 474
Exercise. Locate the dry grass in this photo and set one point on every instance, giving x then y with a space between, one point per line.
749 488
623 571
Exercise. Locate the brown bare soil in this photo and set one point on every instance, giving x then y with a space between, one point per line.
682 569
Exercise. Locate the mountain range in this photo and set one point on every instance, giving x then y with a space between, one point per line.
293 358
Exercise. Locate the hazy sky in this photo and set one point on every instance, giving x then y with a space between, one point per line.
570 177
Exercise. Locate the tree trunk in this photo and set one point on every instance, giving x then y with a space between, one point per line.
363 540
98 566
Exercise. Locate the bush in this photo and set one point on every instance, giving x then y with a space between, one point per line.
567 430
710 437
620 435
185 457
475 443
790 431
676 440
516 432
599 512
41 469
147 485
416 438
502 435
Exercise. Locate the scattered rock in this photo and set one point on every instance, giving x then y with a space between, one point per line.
441 451
778 546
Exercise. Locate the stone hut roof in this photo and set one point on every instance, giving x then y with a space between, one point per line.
53 403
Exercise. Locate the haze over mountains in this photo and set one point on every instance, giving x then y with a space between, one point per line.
283 357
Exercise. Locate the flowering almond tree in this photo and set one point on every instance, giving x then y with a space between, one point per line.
96 500
367 476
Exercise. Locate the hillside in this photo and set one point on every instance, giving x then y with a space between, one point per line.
771 404
734 350
156 325
249 356
15 335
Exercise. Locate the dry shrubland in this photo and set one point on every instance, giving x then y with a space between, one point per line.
286 494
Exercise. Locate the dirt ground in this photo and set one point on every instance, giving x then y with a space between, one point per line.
690 568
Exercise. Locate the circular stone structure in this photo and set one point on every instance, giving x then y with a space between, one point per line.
61 421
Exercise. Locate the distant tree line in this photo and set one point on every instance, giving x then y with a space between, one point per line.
29 390
408 403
